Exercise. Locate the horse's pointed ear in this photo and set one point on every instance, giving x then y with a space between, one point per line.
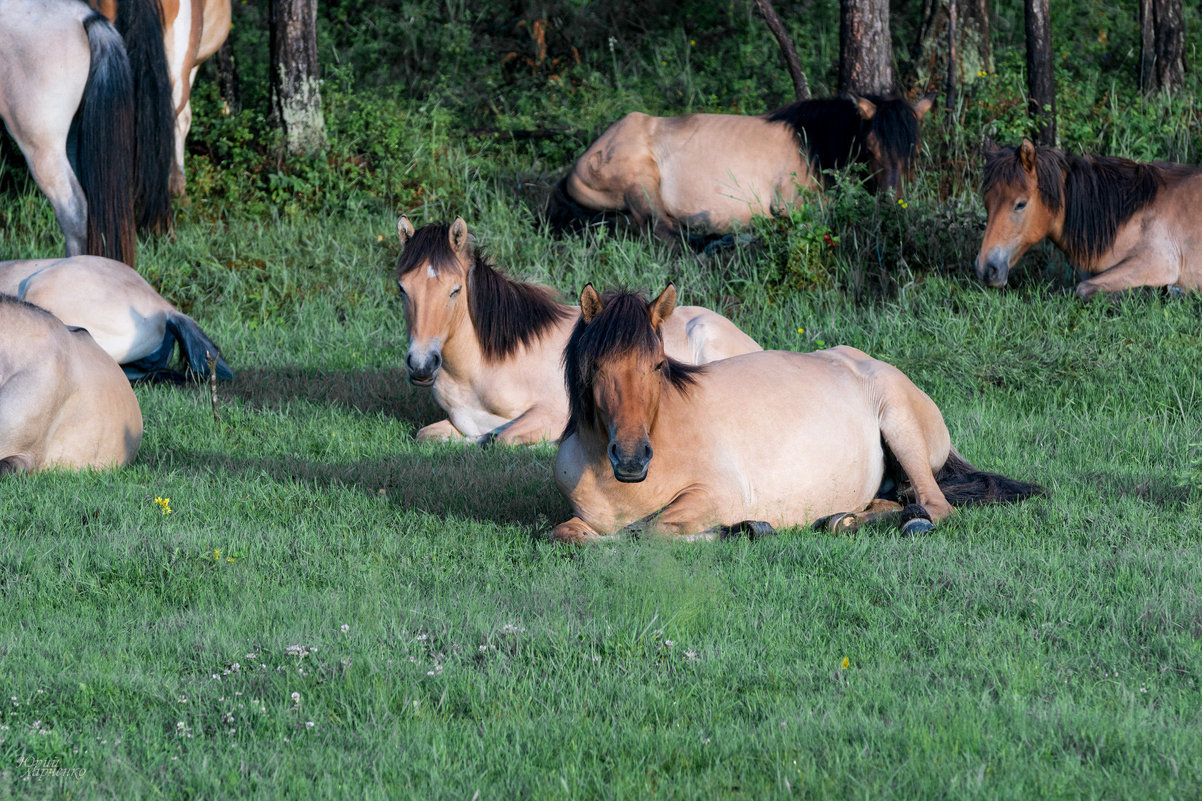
590 303
404 229
661 307
1026 154
924 104
865 106
458 236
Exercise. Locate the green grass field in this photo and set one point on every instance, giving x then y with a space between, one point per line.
331 610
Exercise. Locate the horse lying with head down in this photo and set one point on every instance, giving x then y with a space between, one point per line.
1127 223
63 400
711 172
124 315
750 443
490 347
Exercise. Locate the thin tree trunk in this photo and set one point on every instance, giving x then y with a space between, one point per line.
865 49
1162 45
1041 85
227 78
295 81
953 62
800 86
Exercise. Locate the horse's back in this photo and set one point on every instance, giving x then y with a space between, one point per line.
122 312
697 335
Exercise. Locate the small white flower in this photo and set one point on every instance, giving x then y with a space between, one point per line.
345 628
691 654
309 724
669 643
296 698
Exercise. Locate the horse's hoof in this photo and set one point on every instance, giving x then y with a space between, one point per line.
915 520
754 529
844 523
916 527
1175 291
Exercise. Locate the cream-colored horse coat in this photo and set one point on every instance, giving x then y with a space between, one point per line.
64 402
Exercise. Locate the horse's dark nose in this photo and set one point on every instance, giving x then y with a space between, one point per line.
630 464
423 367
995 273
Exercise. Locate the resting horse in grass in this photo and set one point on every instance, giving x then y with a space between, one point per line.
181 37
129 320
63 400
1127 223
711 172
490 347
746 444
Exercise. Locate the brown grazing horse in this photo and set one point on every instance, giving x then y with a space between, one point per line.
131 322
1126 223
63 401
187 33
712 172
748 443
490 348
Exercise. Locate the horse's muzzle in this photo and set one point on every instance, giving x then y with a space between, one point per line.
423 367
630 464
995 272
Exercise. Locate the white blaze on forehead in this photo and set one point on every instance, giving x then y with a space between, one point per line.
430 271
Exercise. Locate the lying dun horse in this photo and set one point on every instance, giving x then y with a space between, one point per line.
711 172
490 348
184 35
1127 223
129 320
63 400
756 441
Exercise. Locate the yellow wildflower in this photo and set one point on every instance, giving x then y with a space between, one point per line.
164 505
216 555
844 664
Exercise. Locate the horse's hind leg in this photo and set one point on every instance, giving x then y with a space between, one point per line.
850 522
913 429
52 171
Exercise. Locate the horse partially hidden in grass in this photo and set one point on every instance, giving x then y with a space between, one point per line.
182 36
1126 223
63 401
712 172
66 97
490 347
746 444
124 315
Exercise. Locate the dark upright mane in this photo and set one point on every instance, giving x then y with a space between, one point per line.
1098 194
623 326
835 135
506 314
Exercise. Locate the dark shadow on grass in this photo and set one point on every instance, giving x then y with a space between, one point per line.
1157 490
507 486
386 392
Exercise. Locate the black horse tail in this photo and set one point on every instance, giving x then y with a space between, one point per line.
963 484
565 215
106 134
196 348
140 23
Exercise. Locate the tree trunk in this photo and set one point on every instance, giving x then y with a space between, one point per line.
974 44
865 49
1162 45
227 79
800 86
1041 85
953 61
295 82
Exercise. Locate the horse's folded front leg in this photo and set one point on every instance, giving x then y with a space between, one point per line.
850 522
441 431
536 424
574 531
1138 269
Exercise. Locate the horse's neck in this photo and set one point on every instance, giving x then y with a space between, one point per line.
462 356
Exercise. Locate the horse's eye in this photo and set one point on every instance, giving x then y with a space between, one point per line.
1020 205
455 291
400 288
659 368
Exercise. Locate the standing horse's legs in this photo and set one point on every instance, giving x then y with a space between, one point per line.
183 123
52 171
